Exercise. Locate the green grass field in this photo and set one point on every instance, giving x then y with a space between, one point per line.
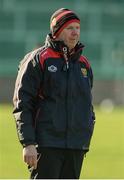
105 159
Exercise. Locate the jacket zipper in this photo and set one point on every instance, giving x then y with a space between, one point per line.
66 69
66 105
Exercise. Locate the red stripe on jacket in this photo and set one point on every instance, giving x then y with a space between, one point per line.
83 59
48 53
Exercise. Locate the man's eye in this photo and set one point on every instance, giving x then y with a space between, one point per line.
70 28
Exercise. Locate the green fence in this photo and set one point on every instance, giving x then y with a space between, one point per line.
25 23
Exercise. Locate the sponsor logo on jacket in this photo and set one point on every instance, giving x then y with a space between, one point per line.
52 68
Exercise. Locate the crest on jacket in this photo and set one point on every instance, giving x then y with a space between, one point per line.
84 72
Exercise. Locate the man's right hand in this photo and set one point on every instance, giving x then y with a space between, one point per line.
30 156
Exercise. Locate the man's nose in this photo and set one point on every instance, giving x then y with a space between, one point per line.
75 31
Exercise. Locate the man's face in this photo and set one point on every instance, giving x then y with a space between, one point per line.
70 35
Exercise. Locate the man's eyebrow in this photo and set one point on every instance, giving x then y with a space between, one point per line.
73 27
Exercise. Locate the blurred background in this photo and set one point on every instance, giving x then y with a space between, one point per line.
23 26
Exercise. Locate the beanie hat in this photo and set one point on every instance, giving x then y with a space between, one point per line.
60 19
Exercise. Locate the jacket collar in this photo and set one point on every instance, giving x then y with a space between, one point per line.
59 46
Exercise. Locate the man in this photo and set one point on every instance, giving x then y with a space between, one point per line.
53 102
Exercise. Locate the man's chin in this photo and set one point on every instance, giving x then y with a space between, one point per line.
72 45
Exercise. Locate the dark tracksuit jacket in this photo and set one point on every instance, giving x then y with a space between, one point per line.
52 98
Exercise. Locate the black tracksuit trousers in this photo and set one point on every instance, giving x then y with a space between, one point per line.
56 163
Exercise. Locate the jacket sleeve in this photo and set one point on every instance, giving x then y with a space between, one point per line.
27 86
91 83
